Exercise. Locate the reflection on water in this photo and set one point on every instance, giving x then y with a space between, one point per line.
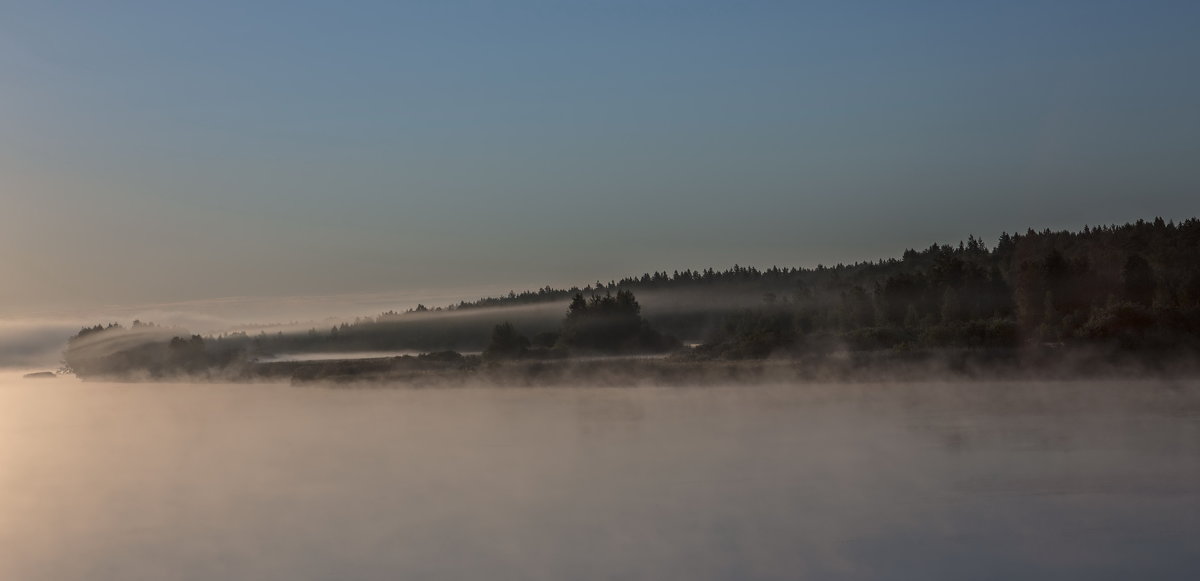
982 481
316 356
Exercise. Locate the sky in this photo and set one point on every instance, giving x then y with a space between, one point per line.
155 152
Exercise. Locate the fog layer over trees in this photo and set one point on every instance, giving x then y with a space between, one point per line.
1129 289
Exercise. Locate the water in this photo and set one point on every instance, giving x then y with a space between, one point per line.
343 356
974 481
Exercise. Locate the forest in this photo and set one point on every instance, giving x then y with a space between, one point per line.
1131 288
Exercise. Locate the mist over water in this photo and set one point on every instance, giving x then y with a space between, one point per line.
576 291
342 356
1067 480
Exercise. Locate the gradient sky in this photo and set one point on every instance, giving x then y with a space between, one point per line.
151 151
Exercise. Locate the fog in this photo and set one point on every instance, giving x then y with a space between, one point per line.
984 480
33 342
38 339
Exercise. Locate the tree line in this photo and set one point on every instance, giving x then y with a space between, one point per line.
1133 287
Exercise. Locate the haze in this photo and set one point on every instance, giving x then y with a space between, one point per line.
155 153
1088 480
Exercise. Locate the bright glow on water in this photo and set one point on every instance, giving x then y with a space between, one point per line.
982 481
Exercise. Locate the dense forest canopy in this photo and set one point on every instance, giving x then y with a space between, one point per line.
1134 287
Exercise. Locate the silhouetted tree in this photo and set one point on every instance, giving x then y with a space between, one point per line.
610 323
506 343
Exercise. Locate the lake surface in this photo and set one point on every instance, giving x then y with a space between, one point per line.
338 356
867 481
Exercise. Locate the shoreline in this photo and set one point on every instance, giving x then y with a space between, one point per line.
452 369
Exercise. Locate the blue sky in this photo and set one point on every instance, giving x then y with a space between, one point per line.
158 151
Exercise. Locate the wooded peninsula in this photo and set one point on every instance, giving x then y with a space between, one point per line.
1098 300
